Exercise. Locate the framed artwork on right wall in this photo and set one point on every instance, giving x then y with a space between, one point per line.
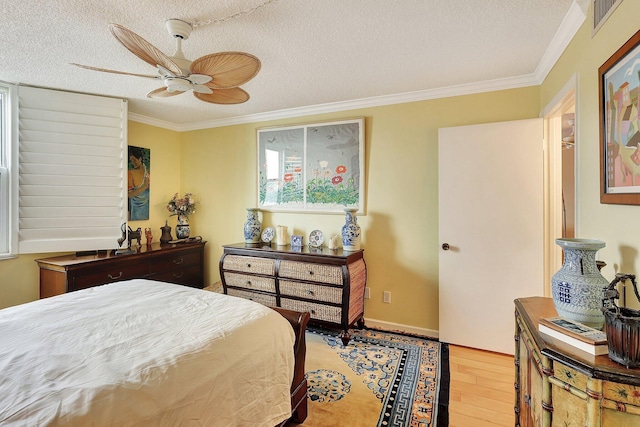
619 86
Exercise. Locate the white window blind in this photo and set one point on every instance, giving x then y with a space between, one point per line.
72 165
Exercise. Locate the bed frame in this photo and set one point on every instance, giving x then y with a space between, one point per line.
299 386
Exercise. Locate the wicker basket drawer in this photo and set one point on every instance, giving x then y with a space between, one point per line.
265 299
326 313
249 264
266 284
315 272
311 291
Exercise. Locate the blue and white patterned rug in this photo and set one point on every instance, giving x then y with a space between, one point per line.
379 379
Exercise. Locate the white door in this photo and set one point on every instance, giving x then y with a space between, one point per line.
491 218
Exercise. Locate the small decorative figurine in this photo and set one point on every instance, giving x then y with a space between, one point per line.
134 235
148 235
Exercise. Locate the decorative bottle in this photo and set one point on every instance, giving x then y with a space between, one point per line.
166 233
252 226
578 287
351 231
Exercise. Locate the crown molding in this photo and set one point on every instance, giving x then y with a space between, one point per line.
571 23
135 117
377 101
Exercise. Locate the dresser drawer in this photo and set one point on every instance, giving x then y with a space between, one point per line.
326 313
623 393
190 276
174 261
264 299
311 291
249 264
107 274
313 272
267 284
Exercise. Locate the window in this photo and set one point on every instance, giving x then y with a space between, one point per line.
73 153
8 168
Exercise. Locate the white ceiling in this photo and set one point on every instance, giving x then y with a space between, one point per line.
315 54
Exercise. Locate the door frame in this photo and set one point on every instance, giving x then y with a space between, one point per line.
552 115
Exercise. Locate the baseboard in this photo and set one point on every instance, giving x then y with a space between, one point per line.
397 327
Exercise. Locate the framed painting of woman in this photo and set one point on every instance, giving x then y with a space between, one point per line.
139 170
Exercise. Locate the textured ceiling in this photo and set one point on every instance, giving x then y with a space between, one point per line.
313 52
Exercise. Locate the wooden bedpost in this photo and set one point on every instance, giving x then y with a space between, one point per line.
299 322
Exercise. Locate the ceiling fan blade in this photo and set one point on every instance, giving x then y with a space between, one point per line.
149 76
224 96
164 72
162 93
143 49
228 69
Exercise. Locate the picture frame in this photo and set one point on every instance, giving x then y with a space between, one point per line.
618 80
314 167
138 183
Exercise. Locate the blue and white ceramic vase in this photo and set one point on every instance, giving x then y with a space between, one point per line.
351 231
182 228
578 287
252 227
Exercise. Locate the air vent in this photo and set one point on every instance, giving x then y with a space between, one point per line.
602 9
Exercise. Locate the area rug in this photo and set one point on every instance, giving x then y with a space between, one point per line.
378 379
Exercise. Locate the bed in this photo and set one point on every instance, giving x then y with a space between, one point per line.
141 352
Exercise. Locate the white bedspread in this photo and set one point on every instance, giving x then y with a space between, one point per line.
144 353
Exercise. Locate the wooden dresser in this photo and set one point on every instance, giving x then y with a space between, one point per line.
181 263
328 284
558 385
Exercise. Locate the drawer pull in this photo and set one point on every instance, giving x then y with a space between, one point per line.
311 273
248 282
248 265
178 261
313 311
178 275
310 292
114 278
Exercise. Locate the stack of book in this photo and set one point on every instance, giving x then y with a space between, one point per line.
583 337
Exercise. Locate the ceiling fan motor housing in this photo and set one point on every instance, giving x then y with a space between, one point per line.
178 28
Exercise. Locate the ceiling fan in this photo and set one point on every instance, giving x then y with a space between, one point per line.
212 78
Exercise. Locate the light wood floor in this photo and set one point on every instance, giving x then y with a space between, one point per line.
481 392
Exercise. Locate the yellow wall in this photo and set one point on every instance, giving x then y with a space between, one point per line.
400 228
617 225
19 280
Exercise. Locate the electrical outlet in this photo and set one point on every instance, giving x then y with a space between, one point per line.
387 297
367 293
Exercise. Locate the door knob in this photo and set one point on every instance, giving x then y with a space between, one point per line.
445 246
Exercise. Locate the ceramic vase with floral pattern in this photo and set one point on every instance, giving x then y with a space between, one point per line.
182 228
351 231
252 227
578 287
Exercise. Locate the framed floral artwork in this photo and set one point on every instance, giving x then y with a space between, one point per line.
317 167
619 82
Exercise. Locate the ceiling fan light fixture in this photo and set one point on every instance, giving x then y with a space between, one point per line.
177 85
